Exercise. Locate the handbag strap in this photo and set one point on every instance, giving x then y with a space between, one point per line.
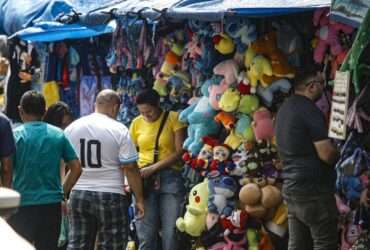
156 145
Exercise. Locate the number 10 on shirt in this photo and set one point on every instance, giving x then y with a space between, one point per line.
90 151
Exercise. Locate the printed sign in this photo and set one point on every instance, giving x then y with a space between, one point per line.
339 107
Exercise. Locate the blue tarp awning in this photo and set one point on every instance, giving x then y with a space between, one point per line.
35 18
215 9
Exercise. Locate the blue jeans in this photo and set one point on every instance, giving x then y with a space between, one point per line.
162 208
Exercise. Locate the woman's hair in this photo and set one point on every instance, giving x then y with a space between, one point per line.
55 113
148 96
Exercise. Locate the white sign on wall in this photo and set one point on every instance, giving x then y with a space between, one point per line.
339 107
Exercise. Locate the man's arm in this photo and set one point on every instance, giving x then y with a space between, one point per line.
72 176
131 171
7 171
326 151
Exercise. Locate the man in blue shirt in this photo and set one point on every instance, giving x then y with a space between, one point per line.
40 147
7 149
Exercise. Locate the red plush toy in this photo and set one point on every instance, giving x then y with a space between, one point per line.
235 223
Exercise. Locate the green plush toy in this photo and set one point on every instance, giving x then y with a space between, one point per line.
244 128
253 241
229 100
248 104
194 221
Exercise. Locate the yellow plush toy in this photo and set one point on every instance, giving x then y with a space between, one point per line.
233 140
194 221
279 223
223 44
260 66
50 90
229 100
160 84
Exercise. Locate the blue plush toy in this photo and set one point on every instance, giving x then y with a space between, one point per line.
200 117
267 94
242 30
351 187
222 190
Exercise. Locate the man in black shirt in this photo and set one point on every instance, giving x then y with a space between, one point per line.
309 176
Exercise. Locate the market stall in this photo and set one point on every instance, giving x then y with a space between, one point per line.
226 66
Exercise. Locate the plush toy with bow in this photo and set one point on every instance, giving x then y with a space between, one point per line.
194 221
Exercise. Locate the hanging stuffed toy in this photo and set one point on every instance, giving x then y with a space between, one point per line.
194 220
328 34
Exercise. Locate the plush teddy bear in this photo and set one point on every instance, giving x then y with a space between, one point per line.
328 34
221 195
229 100
263 125
194 220
258 200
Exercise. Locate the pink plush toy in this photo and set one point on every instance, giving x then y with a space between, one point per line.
341 206
229 70
327 34
263 125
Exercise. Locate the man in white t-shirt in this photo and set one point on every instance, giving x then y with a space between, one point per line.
98 204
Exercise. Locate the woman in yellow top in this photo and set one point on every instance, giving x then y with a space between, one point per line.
164 190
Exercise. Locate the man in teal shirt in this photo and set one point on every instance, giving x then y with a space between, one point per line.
40 147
